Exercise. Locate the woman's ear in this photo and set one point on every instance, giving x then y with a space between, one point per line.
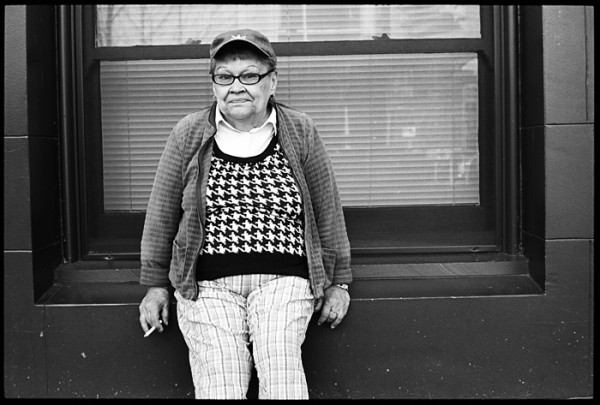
274 83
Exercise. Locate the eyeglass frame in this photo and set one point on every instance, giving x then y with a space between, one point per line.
239 78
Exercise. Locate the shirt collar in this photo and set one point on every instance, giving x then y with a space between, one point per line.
271 120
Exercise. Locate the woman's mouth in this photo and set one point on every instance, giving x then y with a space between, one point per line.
238 101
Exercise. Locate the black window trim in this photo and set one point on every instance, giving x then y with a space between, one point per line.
74 18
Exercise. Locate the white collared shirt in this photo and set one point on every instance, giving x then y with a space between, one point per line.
241 143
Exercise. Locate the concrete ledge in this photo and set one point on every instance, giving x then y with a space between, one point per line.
110 283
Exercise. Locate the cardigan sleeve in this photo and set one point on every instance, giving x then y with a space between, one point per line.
163 214
327 207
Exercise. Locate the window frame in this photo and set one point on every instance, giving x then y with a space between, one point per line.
101 236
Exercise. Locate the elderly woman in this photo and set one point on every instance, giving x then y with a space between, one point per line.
245 222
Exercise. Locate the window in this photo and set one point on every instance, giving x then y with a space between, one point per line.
405 98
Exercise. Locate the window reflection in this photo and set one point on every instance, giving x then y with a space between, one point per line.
175 24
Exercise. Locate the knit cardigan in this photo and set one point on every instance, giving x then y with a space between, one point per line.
174 226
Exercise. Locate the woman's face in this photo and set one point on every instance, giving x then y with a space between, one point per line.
244 106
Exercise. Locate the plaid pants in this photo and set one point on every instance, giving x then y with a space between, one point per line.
271 312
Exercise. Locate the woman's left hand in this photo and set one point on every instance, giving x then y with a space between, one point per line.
333 305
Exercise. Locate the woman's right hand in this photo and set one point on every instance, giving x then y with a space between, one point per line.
154 308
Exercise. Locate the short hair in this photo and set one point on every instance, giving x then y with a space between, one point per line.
240 50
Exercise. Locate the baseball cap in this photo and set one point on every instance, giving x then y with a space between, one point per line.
247 35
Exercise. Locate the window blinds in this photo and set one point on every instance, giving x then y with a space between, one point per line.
141 101
400 129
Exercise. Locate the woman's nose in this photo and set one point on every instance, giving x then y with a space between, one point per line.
237 86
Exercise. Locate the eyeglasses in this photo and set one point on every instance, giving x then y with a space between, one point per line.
246 78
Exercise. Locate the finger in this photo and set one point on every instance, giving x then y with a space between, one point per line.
164 316
318 304
156 322
325 313
338 320
143 317
144 324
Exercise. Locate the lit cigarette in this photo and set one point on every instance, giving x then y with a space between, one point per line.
152 329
